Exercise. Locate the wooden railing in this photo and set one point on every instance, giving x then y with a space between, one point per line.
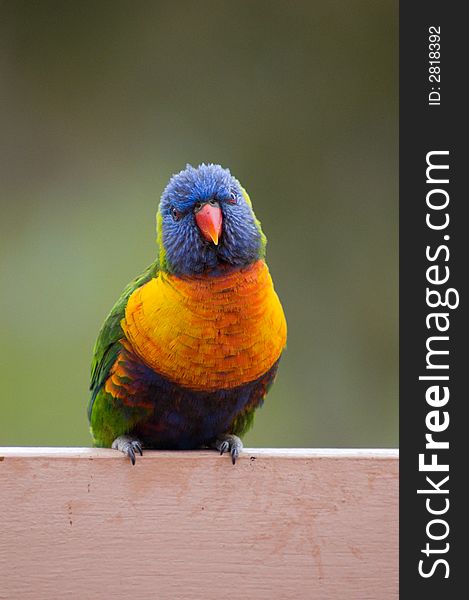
283 523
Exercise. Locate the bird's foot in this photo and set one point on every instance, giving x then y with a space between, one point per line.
231 443
128 445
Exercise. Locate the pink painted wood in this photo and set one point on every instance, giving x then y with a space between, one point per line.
292 524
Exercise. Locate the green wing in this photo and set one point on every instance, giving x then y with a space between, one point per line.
107 345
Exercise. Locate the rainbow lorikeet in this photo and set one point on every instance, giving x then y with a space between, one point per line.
192 346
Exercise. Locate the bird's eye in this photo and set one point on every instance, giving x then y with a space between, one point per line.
212 202
233 199
197 206
175 214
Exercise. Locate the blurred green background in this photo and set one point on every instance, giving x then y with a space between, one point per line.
100 102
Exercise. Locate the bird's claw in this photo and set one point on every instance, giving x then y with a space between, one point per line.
128 446
230 443
224 446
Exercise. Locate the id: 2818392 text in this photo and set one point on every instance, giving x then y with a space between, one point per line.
434 67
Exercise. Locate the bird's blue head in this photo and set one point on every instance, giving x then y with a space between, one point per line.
206 223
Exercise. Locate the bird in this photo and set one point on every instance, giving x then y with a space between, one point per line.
190 349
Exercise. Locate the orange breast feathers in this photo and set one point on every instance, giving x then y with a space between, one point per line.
208 333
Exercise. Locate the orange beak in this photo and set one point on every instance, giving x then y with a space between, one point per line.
209 221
